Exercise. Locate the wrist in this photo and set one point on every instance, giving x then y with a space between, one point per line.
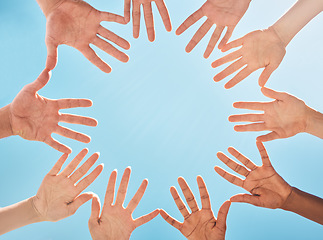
287 205
313 120
36 214
279 35
6 123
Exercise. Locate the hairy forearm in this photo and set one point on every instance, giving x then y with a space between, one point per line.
296 18
48 5
314 123
5 125
305 204
18 215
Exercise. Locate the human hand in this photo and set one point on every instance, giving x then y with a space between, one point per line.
59 195
260 49
34 117
268 189
222 13
77 24
200 224
284 117
115 221
148 14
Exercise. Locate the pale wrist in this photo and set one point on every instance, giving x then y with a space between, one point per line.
6 124
36 214
313 120
279 35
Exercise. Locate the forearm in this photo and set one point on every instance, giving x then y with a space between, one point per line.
314 123
305 204
296 18
18 215
48 5
5 124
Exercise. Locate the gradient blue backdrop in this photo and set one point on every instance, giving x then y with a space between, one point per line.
162 114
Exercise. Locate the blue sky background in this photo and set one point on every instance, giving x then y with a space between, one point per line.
162 114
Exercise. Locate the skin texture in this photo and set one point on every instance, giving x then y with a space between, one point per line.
259 49
199 224
267 188
222 13
77 24
285 117
148 15
59 195
115 221
35 118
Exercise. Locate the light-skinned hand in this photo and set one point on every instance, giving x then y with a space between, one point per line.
148 15
36 118
199 224
267 188
285 117
259 49
219 12
115 221
77 24
59 195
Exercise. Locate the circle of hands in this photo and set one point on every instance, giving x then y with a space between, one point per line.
78 24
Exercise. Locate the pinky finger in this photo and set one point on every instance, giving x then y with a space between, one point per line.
95 59
172 221
146 218
58 146
268 137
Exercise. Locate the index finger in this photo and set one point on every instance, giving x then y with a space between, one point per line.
161 6
205 198
190 21
258 106
73 103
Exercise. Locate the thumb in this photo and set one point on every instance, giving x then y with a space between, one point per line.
246 198
273 94
41 81
265 75
80 200
51 55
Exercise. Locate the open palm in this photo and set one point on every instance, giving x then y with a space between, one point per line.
200 224
115 221
222 13
77 24
268 189
34 117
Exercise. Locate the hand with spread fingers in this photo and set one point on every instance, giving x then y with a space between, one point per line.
148 15
34 117
77 24
259 49
267 188
199 224
59 195
115 221
222 13
285 117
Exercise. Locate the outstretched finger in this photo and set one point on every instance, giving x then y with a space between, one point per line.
95 208
127 6
229 177
265 75
138 196
189 196
81 171
247 118
221 221
263 153
201 32
243 159
74 163
244 73
234 44
58 165
268 137
252 127
161 6
51 60
149 20
205 197
136 18
226 37
110 49
229 70
172 221
79 201
75 119
213 41
259 106
66 132
109 194
122 191
232 164
273 94
90 54
73 103
179 203
111 17
227 58
89 179
246 198
190 21
103 32
146 218
57 145
41 81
